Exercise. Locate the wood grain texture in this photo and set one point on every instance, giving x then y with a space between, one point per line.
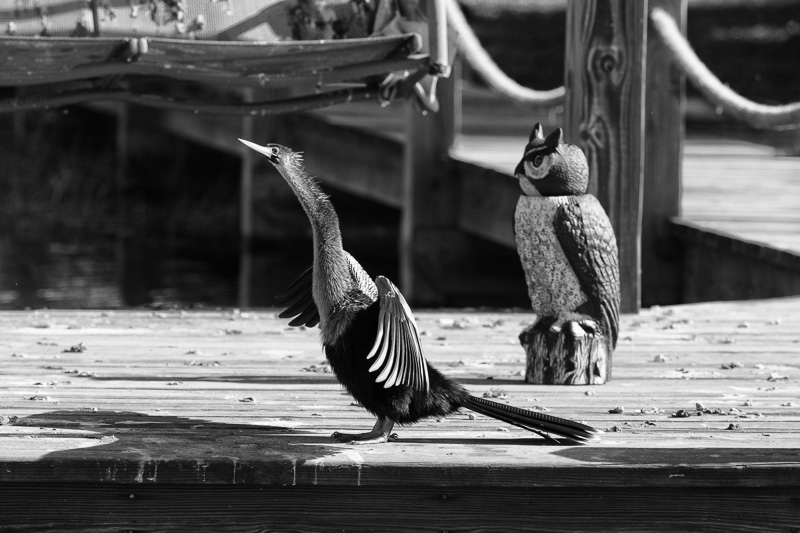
352 160
31 61
220 421
743 269
665 103
428 238
605 77
487 201
243 509
562 359
227 397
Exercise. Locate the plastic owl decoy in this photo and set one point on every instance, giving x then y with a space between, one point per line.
569 254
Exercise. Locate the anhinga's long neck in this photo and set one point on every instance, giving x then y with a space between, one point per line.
331 280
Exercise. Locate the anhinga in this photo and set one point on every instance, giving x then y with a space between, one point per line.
369 334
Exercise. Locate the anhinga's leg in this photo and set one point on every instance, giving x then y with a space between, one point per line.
381 432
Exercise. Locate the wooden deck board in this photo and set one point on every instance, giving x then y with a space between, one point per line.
221 421
216 396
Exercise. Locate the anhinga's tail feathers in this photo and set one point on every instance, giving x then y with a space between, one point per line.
532 420
299 301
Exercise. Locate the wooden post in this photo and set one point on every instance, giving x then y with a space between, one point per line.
605 76
269 210
428 239
665 104
95 18
122 141
246 210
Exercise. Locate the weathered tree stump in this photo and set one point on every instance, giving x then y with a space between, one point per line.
560 358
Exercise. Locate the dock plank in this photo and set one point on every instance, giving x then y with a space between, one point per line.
157 388
173 419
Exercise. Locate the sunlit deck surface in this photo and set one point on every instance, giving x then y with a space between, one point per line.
221 421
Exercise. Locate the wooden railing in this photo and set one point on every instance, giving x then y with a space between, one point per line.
626 62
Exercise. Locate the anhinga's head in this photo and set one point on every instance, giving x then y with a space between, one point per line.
290 165
278 155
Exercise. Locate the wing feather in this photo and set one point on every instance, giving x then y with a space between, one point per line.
585 233
386 370
400 360
299 301
379 343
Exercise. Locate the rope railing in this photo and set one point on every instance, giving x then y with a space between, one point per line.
484 65
778 117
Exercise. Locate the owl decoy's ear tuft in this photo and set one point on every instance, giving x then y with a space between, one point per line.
537 134
554 139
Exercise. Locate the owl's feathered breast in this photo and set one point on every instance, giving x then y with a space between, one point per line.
553 287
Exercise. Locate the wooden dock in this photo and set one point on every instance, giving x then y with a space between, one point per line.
741 188
735 229
220 421
735 238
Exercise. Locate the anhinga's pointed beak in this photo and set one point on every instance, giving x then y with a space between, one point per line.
264 150
260 149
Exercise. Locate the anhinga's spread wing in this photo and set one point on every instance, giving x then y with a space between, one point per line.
587 238
397 349
299 301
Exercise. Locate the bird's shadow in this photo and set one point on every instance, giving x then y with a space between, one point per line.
129 433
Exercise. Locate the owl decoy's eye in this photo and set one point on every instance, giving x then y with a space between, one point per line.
537 161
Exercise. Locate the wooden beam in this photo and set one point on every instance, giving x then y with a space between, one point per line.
605 76
487 201
721 266
122 145
428 240
353 160
665 105
253 507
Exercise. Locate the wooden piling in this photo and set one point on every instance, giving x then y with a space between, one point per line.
429 240
246 209
605 81
665 104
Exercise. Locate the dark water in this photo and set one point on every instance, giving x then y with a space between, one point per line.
108 273
75 235
121 273
72 235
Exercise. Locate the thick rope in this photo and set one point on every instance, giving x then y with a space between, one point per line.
485 66
777 117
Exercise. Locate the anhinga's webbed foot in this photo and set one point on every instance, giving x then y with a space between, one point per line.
380 433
